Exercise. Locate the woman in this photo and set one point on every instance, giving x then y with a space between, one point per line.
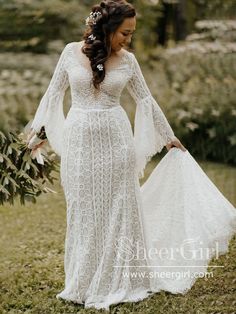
101 161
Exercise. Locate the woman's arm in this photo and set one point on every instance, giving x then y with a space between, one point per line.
151 129
50 110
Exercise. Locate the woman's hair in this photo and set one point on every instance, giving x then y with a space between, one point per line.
113 13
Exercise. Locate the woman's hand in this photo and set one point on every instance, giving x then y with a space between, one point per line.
38 145
34 142
175 143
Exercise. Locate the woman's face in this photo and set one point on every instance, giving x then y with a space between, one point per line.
122 36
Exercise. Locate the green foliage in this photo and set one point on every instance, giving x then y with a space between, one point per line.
208 10
24 78
197 87
212 30
209 133
20 175
215 8
147 18
30 25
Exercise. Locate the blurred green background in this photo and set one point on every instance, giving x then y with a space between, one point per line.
186 49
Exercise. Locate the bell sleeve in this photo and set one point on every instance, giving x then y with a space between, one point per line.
151 128
50 112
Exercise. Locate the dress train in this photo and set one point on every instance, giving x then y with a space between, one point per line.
186 220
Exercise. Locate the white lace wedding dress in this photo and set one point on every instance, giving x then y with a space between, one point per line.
112 224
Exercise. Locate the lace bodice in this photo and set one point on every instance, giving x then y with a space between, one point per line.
151 130
83 92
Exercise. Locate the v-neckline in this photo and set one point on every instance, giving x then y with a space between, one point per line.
89 70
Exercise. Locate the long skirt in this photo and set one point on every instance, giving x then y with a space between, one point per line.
124 243
104 247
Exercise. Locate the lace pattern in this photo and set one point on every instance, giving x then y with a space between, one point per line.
151 128
107 214
50 110
98 177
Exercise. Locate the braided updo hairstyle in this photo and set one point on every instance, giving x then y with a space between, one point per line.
113 13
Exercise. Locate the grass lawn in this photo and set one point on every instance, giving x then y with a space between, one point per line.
32 253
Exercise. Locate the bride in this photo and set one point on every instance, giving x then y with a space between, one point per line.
124 242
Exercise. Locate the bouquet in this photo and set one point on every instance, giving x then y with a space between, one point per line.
37 143
25 165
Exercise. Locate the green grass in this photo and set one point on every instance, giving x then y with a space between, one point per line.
32 253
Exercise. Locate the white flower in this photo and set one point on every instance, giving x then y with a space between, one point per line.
233 112
192 126
93 17
211 132
183 114
92 37
232 139
87 20
100 67
198 111
215 112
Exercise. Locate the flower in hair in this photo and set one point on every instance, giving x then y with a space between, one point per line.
93 17
100 67
92 37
